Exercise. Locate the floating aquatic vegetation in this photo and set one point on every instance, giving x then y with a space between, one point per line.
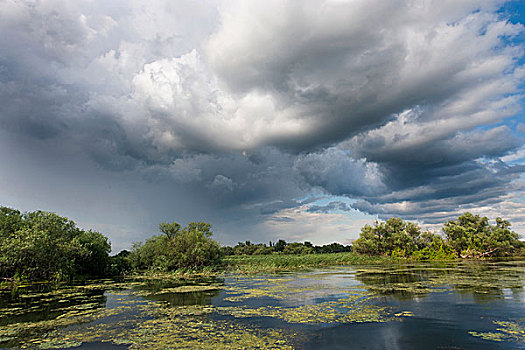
404 314
36 309
188 289
160 326
138 319
507 331
304 299
294 289
17 333
328 313
132 321
170 314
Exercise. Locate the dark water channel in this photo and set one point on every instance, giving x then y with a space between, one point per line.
468 305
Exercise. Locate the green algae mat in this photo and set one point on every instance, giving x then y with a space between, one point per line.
453 305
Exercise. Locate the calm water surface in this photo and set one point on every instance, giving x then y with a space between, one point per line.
473 305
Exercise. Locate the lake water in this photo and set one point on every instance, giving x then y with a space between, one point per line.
468 305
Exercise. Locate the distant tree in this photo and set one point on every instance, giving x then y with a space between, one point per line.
248 248
332 248
226 250
280 245
119 264
297 248
262 249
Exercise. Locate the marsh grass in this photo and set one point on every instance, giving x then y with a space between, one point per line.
275 263
180 274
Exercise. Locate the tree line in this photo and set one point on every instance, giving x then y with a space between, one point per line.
45 246
282 247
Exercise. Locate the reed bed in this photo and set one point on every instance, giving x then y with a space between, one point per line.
275 263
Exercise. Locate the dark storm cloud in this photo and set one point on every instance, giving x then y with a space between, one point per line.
421 149
246 108
338 173
330 207
331 70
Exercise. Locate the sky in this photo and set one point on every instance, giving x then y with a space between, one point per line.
295 120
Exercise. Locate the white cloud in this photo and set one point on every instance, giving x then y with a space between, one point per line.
519 154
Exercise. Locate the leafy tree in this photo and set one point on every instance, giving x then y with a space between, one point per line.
385 237
147 255
169 229
119 264
433 247
248 248
93 254
467 233
45 246
297 248
472 236
190 247
262 249
502 241
11 220
226 250
332 248
280 245
194 248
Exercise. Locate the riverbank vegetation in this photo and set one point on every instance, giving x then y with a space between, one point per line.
470 236
44 246
275 263
282 247
189 248
47 247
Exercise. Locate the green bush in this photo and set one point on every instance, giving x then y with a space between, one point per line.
189 248
386 237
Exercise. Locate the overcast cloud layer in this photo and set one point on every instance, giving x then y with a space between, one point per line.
248 113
